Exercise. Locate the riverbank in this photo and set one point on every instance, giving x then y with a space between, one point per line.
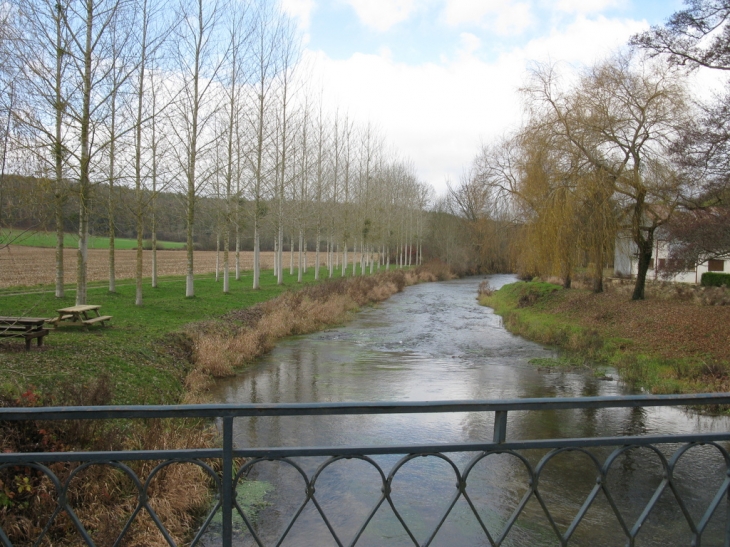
165 352
675 341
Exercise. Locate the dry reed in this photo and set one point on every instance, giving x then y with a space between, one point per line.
102 496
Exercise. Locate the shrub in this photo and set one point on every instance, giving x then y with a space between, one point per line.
436 268
147 245
485 288
715 279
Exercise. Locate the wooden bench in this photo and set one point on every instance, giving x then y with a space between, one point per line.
27 328
81 315
99 319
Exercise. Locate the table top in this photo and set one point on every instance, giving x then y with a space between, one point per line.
23 320
78 309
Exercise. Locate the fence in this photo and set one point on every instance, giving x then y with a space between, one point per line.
228 479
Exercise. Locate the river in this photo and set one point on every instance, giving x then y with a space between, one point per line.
434 342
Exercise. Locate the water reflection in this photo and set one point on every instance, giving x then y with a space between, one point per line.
434 342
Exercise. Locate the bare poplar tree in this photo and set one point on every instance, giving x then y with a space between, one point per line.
267 32
199 60
289 56
43 60
89 24
238 36
153 29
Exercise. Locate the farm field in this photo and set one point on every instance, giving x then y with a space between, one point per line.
22 266
48 239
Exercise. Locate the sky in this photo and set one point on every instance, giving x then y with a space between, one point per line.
440 77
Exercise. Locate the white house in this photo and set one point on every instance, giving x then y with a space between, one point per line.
626 262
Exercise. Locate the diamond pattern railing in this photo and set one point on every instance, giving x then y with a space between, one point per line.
603 453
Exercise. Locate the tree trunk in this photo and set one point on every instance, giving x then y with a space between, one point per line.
238 247
226 265
316 254
256 253
110 200
85 163
58 161
217 256
301 257
645 247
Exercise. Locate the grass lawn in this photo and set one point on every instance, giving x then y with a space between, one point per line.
138 350
48 239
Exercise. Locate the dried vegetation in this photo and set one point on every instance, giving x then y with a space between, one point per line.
103 497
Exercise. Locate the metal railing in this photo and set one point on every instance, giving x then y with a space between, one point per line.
229 478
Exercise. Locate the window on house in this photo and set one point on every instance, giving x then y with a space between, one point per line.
716 265
662 264
680 265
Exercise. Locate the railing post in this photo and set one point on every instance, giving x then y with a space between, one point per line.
500 426
227 482
727 518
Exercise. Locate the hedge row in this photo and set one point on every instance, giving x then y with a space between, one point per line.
715 279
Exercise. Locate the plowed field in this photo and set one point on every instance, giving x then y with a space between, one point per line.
28 266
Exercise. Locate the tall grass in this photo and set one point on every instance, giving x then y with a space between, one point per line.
103 497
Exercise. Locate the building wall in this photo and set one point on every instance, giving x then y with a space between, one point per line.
626 263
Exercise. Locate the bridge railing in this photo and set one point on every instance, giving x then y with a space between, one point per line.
228 454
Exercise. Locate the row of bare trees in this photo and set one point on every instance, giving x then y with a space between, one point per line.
200 98
615 148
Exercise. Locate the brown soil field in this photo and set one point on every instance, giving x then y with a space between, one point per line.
29 266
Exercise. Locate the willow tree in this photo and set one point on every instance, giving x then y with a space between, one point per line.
621 119
548 187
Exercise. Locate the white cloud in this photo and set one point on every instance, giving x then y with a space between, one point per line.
584 6
432 113
585 41
469 42
437 113
382 14
301 10
506 17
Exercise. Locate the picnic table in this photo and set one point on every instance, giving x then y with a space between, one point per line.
80 315
23 327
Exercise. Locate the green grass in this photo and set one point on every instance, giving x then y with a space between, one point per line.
48 239
137 351
527 310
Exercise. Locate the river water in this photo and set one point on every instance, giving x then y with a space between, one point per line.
434 342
